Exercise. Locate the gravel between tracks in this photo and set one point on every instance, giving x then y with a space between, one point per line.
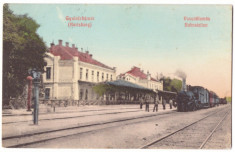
129 135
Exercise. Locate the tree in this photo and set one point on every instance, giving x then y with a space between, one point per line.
166 84
229 99
176 85
173 85
101 89
22 49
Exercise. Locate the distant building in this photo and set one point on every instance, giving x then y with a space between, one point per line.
71 73
137 76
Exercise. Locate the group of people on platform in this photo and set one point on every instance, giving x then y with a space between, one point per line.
155 103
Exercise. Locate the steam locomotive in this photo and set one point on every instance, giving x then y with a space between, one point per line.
196 97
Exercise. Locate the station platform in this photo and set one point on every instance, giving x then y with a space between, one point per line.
20 122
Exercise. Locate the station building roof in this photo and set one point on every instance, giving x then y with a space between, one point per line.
67 53
136 72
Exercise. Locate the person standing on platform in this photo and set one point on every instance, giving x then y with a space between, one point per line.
146 104
156 101
164 104
141 103
170 103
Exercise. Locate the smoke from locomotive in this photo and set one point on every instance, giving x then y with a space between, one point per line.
184 88
183 76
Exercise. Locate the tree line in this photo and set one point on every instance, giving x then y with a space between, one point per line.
23 49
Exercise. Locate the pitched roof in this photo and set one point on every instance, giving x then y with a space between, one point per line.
135 71
123 83
67 53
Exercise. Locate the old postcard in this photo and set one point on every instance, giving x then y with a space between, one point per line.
117 76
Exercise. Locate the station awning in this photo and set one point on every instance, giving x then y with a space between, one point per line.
126 84
167 93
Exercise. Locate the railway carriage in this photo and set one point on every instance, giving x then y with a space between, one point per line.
223 101
201 95
214 99
217 101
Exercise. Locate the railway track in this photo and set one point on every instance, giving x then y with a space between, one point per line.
212 132
70 117
63 112
43 136
193 136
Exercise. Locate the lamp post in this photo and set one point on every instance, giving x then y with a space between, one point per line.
36 81
29 78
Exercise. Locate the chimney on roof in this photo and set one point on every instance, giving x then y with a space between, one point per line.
73 45
52 44
81 49
60 42
67 44
148 76
91 55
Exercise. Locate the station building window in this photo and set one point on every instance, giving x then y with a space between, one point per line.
47 93
81 94
92 75
48 72
98 76
80 73
87 74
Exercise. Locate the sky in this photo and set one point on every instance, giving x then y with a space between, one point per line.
152 37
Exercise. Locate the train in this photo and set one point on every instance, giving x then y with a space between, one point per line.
197 97
223 101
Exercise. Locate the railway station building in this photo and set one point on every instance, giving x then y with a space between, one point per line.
71 73
137 76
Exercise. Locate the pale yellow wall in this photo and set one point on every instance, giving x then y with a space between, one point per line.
91 94
144 82
49 61
130 78
96 69
48 83
66 73
64 91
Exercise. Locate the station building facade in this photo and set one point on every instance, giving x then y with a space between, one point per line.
137 76
71 73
